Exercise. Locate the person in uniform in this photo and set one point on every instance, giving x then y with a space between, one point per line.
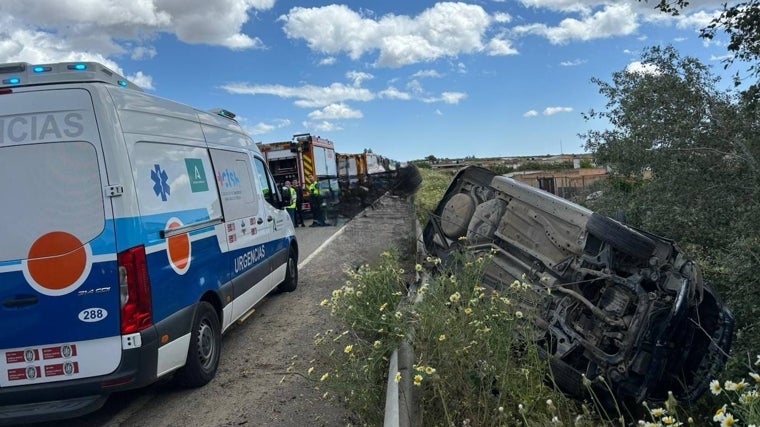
315 198
299 204
291 208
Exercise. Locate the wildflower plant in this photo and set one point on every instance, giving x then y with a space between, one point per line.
477 353
366 306
742 400
486 363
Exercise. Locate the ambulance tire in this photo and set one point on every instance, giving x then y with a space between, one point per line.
205 348
291 274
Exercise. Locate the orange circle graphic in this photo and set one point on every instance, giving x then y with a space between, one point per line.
57 260
178 248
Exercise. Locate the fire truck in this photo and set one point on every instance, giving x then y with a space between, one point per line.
368 170
308 159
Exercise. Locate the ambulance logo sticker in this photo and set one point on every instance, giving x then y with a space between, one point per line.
178 248
160 182
197 175
57 264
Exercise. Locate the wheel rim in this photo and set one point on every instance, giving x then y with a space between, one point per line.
206 345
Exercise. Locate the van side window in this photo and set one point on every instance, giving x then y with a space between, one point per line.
266 183
176 179
235 179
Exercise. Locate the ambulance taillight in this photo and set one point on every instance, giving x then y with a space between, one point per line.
134 291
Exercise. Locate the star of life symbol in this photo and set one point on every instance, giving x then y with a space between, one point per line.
160 184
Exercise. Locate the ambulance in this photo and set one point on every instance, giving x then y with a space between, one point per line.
135 232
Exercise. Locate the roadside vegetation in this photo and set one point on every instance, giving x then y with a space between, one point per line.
684 156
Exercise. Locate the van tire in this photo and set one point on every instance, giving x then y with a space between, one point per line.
204 350
291 274
620 237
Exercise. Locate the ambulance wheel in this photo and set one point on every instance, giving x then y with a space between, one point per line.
291 274
204 350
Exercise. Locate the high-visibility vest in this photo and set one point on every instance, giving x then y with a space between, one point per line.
314 188
293 198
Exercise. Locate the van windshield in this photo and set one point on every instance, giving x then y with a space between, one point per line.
47 188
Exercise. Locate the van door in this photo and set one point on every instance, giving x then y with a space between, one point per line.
59 292
249 229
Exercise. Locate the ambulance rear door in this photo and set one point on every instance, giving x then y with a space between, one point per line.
59 291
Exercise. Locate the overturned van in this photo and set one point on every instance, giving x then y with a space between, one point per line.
136 230
613 302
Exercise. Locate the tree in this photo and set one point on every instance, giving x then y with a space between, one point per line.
684 164
741 22
675 126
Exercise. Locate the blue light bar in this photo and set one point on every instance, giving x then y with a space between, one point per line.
12 81
123 83
78 67
41 69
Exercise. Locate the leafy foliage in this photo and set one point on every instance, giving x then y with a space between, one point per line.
684 164
741 22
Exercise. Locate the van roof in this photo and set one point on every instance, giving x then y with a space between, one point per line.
17 74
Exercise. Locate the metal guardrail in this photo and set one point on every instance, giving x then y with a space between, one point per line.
401 399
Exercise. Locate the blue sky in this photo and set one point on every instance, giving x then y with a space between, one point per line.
407 79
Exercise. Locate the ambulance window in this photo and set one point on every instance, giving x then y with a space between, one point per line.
54 189
235 177
174 181
266 183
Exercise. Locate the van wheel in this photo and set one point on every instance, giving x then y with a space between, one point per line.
205 348
291 274
620 237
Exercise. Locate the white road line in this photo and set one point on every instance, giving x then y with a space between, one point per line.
303 263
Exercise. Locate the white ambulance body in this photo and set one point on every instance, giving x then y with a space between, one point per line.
135 230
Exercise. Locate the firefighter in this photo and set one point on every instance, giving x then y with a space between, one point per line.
291 208
315 196
299 204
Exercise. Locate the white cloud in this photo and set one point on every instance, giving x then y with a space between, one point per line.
263 128
323 126
142 52
426 73
358 77
501 47
57 30
562 5
444 30
530 113
573 63
613 20
307 96
330 60
502 18
438 112
447 98
415 86
335 111
393 93
550 111
638 67
142 80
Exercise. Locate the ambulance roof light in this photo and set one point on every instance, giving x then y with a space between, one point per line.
25 74
224 113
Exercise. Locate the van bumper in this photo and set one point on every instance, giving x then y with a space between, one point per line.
68 399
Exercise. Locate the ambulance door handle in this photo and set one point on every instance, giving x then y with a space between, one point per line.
20 302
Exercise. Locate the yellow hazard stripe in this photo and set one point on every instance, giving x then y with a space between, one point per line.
308 169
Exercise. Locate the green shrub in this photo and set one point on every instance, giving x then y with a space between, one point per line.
434 185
